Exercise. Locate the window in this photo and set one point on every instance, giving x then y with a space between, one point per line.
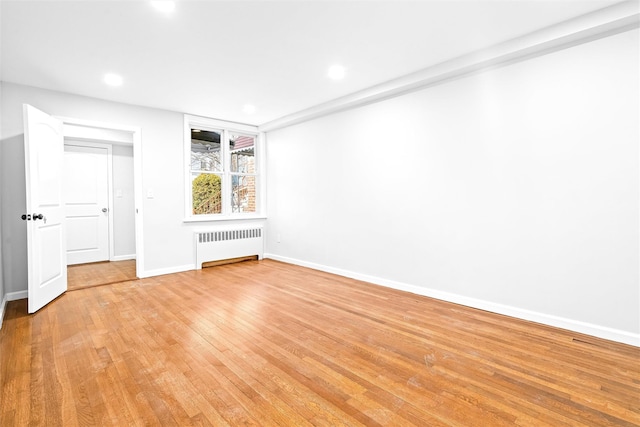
223 170
243 173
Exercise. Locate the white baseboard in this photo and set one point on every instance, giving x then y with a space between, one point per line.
162 271
520 313
11 296
3 305
123 257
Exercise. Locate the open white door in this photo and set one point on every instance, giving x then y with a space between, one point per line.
46 241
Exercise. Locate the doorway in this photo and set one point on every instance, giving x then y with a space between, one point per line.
101 194
44 137
100 213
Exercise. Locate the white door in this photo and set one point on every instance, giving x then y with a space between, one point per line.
86 195
46 240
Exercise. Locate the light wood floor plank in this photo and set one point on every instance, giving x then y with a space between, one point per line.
82 276
270 344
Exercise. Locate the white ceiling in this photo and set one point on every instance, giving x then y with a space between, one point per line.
210 58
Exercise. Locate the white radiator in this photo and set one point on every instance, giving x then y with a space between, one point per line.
226 244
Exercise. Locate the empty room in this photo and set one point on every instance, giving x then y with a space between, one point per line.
320 213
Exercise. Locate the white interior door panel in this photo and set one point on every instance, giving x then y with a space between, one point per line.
86 189
46 236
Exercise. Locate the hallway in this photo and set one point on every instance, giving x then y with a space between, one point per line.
82 276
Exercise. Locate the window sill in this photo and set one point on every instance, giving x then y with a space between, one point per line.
226 218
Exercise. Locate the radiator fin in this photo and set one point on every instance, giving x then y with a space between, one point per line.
221 236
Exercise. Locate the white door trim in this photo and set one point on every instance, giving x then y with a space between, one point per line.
109 147
124 135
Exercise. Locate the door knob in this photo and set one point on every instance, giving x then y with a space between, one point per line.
104 209
39 216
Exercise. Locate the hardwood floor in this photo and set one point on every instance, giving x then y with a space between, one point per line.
270 344
100 273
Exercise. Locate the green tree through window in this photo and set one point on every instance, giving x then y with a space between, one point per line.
207 194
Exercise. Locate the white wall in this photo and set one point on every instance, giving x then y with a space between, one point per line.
515 189
2 293
12 180
168 242
123 209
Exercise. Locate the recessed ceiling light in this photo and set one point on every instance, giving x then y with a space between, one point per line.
113 79
249 109
336 72
164 6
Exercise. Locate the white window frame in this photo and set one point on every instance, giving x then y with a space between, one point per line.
204 123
